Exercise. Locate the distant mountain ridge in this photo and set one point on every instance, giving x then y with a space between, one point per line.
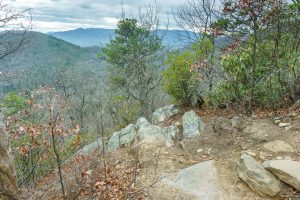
100 36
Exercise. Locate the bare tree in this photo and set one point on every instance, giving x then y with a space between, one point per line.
13 27
196 16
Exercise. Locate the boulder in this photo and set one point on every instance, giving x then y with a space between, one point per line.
117 139
286 170
148 133
88 149
279 146
164 113
142 122
122 137
258 132
8 184
257 177
199 180
171 133
222 125
192 124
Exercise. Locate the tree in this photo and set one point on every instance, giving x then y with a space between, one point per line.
133 59
197 16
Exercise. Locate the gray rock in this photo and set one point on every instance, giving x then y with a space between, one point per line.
149 133
257 131
142 122
199 180
257 177
279 146
122 137
222 125
171 134
164 113
286 170
192 124
88 149
117 139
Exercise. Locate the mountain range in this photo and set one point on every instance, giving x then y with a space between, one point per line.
100 37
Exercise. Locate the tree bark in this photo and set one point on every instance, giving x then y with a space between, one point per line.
8 183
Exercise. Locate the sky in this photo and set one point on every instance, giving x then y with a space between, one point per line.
62 15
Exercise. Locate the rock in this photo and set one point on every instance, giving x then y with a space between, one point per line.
199 150
8 184
286 170
88 149
257 131
279 146
222 125
148 133
171 134
122 137
279 158
257 177
192 124
142 122
282 124
250 153
277 122
199 180
164 113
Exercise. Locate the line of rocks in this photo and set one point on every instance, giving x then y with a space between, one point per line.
145 132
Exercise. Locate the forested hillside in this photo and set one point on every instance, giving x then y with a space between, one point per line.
41 57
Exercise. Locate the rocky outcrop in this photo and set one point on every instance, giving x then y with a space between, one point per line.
257 177
199 180
122 137
8 186
192 124
286 170
164 113
279 146
148 133
117 139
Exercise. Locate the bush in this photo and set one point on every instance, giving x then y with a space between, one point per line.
14 103
179 80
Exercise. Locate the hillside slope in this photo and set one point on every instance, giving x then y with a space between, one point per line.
44 50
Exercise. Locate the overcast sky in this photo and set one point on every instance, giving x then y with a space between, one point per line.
59 15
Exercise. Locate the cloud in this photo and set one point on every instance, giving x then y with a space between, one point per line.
54 15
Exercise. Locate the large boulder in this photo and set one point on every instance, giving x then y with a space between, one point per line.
8 185
192 124
199 180
286 170
148 133
122 137
278 146
257 177
164 113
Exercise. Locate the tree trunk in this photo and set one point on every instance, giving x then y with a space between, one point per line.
8 183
